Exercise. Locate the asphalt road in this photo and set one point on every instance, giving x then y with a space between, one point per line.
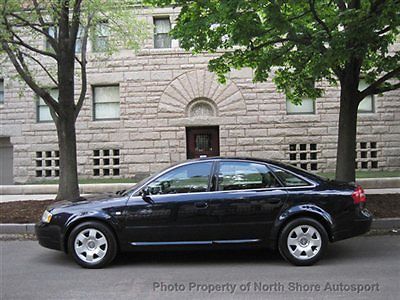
360 268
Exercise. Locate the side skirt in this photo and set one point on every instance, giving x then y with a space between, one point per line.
183 243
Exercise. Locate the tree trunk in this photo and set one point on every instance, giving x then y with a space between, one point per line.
346 149
68 184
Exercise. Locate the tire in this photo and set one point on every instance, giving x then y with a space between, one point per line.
303 241
92 245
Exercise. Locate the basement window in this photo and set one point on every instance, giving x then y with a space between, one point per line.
367 155
304 156
47 163
106 163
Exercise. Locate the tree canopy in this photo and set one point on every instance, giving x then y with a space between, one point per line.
301 42
306 40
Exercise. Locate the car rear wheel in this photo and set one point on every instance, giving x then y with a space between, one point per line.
92 245
303 241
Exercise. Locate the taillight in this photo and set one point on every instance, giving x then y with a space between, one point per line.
359 195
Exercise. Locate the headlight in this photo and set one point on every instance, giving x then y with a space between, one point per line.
46 217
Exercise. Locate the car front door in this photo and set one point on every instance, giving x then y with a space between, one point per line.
247 200
175 208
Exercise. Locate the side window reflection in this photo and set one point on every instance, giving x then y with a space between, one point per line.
192 178
288 179
244 175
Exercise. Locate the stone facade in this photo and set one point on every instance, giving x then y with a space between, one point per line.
158 89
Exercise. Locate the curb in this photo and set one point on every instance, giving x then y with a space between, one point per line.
386 223
17 228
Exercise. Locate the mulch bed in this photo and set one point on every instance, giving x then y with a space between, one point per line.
381 206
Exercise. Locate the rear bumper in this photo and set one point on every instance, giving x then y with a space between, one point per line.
48 235
360 224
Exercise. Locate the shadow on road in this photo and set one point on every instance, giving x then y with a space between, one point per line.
341 252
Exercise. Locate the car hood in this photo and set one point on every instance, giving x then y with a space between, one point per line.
105 197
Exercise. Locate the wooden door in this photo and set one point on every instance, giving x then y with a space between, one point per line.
202 141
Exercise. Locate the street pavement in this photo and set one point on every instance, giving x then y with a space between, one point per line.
365 267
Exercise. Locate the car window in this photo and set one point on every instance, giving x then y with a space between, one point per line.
244 175
288 179
185 179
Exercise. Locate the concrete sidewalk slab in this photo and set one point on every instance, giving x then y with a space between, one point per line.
13 198
37 189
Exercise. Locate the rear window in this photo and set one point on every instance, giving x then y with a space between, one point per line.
289 179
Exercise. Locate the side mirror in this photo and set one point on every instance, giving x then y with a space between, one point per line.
145 193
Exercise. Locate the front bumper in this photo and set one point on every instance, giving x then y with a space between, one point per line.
360 224
49 235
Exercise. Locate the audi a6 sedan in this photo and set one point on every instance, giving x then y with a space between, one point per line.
212 203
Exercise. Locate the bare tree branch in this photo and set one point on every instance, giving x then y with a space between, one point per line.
24 73
83 67
74 30
42 67
31 25
22 43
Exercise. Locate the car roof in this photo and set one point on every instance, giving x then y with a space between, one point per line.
236 158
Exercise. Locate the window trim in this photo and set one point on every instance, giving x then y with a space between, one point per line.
314 112
373 107
95 37
161 17
217 168
3 91
94 102
38 106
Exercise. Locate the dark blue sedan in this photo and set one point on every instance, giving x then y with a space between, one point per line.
212 202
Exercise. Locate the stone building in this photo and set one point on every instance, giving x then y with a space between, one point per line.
146 110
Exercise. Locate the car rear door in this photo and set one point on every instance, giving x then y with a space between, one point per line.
247 200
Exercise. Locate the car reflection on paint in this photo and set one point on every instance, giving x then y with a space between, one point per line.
211 202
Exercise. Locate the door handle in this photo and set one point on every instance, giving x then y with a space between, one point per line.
201 204
275 201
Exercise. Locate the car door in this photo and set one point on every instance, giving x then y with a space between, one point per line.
177 207
247 200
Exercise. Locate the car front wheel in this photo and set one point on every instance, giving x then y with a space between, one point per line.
92 245
303 241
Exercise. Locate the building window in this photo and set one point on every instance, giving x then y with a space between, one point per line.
53 32
367 155
106 102
100 37
304 156
47 163
43 111
1 90
106 162
162 27
367 105
307 106
78 42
